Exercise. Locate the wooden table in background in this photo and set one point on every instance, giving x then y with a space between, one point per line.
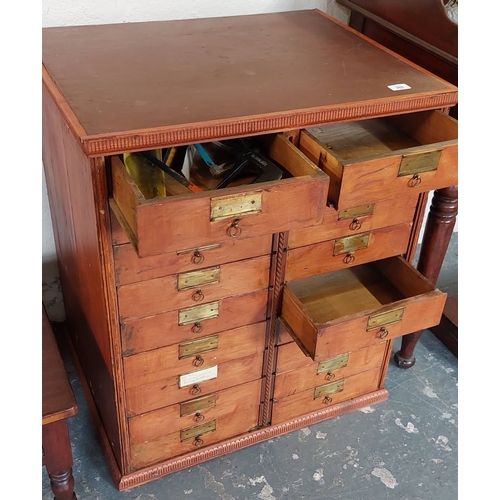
58 404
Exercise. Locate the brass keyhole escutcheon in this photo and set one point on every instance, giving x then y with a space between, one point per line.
355 224
197 327
198 417
327 400
383 332
198 295
198 441
234 230
349 258
415 181
198 361
196 389
329 376
197 257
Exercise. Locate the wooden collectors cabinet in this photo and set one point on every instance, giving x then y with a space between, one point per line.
206 322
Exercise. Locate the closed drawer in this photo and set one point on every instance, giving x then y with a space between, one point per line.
165 433
184 290
381 158
160 378
144 334
347 251
130 268
189 220
324 395
368 217
344 310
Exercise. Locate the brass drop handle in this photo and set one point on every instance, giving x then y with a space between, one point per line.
198 361
234 230
327 400
197 327
349 258
198 441
415 181
383 332
198 417
197 257
329 376
355 224
196 389
198 295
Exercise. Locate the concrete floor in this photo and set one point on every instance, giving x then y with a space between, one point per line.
403 449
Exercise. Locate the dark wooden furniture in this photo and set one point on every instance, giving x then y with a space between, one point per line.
205 322
424 33
58 404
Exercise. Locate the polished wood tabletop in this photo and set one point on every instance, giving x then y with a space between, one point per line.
58 399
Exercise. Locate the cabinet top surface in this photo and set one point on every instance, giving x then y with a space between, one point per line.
139 85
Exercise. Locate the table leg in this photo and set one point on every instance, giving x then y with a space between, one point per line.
437 235
58 459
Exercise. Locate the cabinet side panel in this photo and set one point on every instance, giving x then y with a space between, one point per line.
72 183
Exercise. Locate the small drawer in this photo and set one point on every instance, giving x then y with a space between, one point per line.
192 288
145 334
324 395
170 375
368 217
344 310
129 268
189 220
370 160
193 424
347 251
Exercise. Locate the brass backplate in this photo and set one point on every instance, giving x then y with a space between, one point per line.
361 211
333 364
235 205
351 243
328 389
198 346
195 405
198 430
415 163
385 318
195 279
198 313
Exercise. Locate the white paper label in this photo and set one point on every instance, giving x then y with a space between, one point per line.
399 86
197 377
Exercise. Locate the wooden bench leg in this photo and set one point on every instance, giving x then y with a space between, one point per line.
58 459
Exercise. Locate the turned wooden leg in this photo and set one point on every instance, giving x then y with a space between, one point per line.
58 459
438 230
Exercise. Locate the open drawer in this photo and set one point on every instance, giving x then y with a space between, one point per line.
188 220
371 160
352 308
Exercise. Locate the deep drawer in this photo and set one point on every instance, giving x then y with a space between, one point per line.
194 424
324 395
370 160
168 328
160 225
347 251
159 378
186 290
344 310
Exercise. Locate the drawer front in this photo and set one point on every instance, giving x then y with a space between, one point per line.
144 334
385 157
291 358
192 288
235 412
130 268
153 386
323 395
355 220
336 312
347 251
187 221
